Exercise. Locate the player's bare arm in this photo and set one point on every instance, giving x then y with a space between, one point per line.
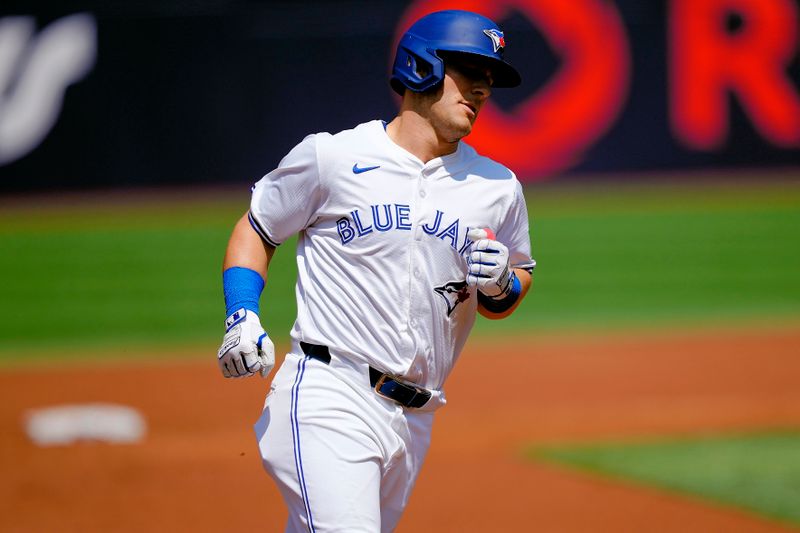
247 249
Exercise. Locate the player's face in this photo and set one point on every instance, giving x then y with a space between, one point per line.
466 87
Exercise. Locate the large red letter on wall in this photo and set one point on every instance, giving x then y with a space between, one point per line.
710 60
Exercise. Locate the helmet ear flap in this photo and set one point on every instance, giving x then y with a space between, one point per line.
415 67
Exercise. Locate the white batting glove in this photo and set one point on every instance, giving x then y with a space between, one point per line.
246 348
488 264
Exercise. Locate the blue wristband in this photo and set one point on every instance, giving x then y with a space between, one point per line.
242 288
500 306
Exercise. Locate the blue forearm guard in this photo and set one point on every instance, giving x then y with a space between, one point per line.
504 304
242 288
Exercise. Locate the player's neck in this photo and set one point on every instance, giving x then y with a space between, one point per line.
415 134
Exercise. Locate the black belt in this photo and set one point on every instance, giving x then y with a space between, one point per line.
386 385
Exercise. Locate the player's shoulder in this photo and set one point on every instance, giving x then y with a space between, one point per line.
341 137
325 142
485 167
334 153
354 136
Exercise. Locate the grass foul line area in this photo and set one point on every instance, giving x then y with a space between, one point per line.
759 472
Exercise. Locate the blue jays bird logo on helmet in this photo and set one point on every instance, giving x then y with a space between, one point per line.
498 40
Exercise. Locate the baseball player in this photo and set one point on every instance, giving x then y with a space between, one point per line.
405 232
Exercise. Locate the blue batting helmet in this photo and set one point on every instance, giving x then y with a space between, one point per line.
418 64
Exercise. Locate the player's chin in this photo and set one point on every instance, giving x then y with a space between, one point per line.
455 128
462 127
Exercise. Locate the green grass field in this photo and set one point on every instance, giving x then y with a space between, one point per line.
758 472
147 272
98 276
665 255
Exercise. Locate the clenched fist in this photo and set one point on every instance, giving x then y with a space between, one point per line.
246 347
488 264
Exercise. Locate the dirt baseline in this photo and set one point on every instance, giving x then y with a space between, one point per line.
198 468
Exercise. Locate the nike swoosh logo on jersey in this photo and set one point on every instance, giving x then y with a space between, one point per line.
357 170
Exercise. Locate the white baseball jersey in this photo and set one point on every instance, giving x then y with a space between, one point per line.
382 245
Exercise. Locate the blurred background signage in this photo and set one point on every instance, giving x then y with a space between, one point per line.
108 94
35 71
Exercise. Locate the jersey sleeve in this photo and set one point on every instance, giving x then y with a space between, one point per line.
514 231
285 201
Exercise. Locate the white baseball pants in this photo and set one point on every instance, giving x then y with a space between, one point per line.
344 458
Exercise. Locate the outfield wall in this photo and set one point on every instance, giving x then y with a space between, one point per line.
116 93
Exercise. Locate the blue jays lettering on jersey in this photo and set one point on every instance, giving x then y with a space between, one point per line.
362 222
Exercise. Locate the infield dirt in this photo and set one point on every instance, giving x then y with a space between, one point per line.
198 468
